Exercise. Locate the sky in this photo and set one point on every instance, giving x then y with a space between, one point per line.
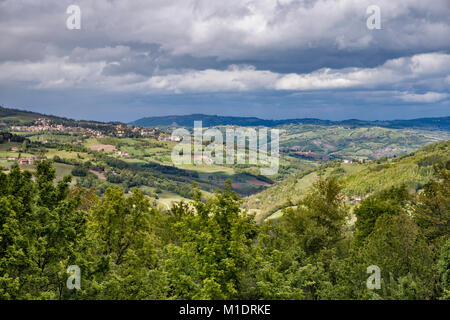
273 59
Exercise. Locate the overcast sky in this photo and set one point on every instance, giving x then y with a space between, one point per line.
267 58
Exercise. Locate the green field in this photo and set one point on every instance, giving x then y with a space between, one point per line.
359 180
146 163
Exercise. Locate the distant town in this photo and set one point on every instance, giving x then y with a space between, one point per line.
118 130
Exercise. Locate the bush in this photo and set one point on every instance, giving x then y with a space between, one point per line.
79 172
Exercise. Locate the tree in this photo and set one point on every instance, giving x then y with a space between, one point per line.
40 235
391 201
402 254
316 233
25 145
320 217
273 268
432 206
207 258
444 270
122 246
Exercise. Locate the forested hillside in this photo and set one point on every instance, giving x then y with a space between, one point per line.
128 249
359 180
107 199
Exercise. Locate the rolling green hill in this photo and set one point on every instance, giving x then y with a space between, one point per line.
307 149
344 142
9 116
359 179
15 116
439 123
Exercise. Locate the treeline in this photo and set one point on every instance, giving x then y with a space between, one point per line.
127 249
9 137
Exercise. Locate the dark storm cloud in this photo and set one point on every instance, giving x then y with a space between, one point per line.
261 53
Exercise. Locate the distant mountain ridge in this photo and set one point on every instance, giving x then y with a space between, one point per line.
438 123
10 115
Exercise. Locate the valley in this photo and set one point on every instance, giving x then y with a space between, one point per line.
364 156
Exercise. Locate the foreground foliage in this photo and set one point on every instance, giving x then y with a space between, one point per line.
127 249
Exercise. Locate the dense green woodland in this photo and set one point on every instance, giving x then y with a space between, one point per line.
128 249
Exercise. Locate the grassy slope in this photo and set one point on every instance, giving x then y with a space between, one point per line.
362 143
295 175
413 170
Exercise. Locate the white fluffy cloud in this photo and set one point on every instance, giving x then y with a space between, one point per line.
427 97
55 72
396 71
